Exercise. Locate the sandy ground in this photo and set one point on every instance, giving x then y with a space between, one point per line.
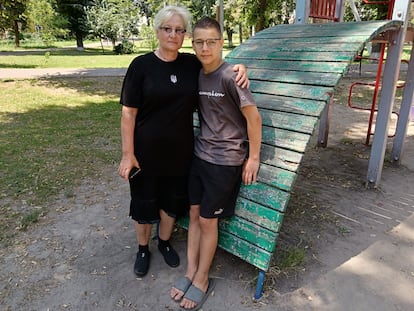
359 243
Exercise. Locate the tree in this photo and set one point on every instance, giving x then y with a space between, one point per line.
43 19
12 13
113 19
75 13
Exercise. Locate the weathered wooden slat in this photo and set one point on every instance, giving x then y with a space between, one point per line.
288 104
305 41
285 139
282 158
305 66
276 177
320 93
265 195
249 231
266 217
297 77
314 56
289 121
250 253
299 46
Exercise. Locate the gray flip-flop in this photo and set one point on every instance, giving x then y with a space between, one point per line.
198 296
182 284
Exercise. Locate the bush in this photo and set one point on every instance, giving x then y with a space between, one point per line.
125 47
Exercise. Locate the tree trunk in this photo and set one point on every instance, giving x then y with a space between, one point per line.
229 32
79 41
16 33
241 33
261 9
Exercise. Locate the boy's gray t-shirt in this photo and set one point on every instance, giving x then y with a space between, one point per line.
223 131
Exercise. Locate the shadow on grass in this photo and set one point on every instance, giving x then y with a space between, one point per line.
102 86
68 51
14 66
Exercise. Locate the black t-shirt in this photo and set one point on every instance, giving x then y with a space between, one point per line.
166 94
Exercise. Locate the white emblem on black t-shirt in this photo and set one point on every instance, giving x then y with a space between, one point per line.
173 78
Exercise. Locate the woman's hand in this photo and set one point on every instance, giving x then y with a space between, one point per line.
126 164
241 78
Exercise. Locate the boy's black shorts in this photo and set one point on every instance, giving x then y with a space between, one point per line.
214 187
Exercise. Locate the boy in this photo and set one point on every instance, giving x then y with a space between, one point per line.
228 117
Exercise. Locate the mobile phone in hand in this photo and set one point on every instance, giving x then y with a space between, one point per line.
134 172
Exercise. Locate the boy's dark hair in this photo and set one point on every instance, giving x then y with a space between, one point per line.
208 22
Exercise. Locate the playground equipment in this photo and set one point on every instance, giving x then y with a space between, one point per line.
294 70
398 10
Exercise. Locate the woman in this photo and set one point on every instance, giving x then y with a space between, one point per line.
159 95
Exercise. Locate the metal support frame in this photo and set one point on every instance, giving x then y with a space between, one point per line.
259 285
403 120
391 73
324 124
302 11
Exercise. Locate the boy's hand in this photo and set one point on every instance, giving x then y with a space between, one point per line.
250 170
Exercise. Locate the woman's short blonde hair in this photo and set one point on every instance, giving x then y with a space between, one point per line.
169 11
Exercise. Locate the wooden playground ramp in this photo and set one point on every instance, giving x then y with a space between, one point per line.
293 71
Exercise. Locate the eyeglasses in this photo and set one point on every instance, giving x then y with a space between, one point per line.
177 31
211 43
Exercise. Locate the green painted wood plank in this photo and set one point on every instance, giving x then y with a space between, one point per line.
320 56
266 217
250 253
296 77
249 231
265 195
279 157
285 139
288 104
328 40
276 177
298 46
320 93
289 121
305 66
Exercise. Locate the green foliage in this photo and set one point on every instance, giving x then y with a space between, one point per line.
125 47
149 39
74 11
293 257
45 22
113 19
12 13
366 11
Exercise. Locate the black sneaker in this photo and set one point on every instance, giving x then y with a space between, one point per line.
170 255
141 265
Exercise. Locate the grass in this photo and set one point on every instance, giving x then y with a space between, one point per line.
69 57
55 133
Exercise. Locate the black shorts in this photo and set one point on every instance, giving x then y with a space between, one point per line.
150 194
214 187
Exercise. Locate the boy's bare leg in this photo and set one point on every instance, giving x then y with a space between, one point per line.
193 249
208 246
